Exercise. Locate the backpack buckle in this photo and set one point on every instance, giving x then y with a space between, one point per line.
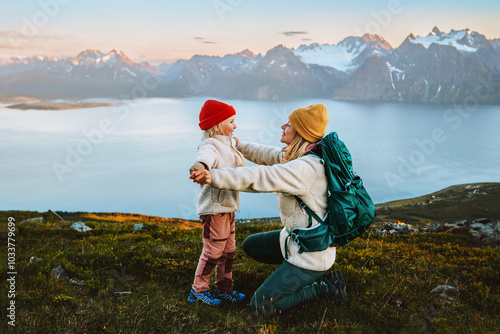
302 206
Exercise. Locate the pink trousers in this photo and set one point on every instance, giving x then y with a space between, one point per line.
218 252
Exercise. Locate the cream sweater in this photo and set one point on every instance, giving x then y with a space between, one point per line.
218 152
304 177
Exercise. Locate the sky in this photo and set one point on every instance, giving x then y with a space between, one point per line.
163 30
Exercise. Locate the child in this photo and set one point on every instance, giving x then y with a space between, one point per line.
216 207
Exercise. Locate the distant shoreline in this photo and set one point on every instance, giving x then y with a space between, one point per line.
454 203
57 106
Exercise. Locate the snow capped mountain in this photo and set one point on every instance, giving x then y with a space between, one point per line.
346 56
90 73
280 74
38 64
97 59
86 56
326 55
440 67
201 72
114 65
238 62
462 40
246 53
116 56
26 60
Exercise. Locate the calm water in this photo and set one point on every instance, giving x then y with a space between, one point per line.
135 157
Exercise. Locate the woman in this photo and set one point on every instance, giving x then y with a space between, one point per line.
289 172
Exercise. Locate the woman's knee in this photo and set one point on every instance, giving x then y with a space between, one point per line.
250 243
261 241
264 247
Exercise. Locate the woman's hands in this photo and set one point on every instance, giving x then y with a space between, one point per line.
201 176
197 166
200 173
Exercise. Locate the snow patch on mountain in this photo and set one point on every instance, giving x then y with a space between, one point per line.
338 57
346 56
393 68
395 74
454 38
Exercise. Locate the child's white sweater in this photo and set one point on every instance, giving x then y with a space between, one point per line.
218 152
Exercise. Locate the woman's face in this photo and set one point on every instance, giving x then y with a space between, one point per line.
288 133
228 126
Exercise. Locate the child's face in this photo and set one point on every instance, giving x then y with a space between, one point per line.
228 126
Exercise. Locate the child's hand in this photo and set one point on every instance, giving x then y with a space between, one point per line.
196 166
237 141
201 176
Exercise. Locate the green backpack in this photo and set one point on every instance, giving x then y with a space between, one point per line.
350 208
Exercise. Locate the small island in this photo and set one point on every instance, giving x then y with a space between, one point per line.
57 106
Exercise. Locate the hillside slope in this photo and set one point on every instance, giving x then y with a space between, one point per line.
132 273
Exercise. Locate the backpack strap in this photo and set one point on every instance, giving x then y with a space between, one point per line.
292 236
305 209
317 150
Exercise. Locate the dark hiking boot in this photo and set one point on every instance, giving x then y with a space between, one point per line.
336 286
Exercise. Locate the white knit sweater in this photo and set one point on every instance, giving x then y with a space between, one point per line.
218 152
304 177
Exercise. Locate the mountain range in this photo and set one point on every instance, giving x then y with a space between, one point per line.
457 67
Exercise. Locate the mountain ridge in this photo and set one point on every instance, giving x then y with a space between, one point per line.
440 67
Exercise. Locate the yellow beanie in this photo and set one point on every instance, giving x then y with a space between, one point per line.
310 122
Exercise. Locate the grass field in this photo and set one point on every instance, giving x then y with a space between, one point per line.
128 281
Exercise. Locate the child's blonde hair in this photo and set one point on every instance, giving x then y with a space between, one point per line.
215 130
296 148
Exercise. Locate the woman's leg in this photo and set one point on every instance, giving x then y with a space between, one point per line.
287 286
264 247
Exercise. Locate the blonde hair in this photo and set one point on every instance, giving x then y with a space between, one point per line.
296 148
216 130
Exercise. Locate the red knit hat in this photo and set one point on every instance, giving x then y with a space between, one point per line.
213 112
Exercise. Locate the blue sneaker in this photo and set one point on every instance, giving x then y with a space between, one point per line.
204 297
233 297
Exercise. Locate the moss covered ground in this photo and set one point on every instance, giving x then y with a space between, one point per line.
119 280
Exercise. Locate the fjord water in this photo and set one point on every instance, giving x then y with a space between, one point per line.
134 157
